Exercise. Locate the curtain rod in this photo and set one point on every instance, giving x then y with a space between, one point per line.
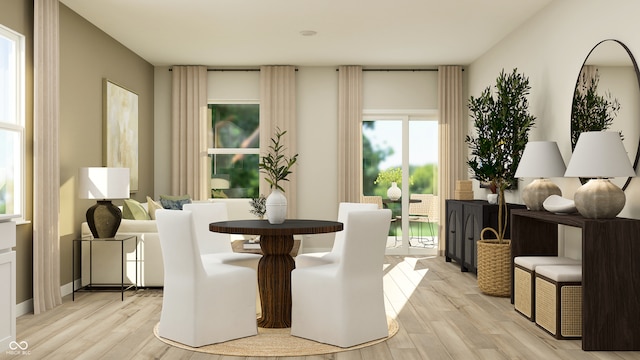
388 70
213 69
399 69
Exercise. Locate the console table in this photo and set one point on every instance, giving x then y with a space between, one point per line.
610 272
464 223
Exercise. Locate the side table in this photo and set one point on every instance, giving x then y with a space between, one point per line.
121 239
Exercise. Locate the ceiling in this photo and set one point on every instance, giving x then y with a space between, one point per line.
268 32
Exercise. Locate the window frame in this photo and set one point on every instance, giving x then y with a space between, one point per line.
17 126
231 151
405 117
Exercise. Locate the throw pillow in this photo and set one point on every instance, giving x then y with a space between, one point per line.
153 206
134 210
174 202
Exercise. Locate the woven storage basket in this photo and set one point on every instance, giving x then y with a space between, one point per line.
494 267
522 294
558 303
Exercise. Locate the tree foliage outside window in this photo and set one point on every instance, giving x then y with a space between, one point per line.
423 177
235 148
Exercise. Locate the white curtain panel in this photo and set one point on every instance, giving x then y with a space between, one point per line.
189 159
452 130
349 133
278 110
46 162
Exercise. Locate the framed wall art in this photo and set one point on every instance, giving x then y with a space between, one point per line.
120 129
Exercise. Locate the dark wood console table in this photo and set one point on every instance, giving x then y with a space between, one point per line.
610 272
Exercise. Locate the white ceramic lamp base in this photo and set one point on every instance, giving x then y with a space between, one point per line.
599 199
537 192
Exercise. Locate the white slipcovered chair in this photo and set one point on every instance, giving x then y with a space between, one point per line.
204 302
217 246
320 258
342 303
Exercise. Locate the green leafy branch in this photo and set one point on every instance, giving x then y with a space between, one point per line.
275 165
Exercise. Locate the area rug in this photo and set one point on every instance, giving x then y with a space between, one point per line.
274 342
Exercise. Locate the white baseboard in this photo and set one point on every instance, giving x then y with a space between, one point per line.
26 307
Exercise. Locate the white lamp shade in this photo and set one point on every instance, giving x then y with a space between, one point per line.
599 154
541 159
220 183
103 183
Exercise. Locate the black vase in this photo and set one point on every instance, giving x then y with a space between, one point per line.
104 219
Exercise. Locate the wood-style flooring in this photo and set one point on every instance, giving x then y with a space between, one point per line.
441 314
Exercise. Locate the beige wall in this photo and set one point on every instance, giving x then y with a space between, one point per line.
87 56
18 16
550 49
317 136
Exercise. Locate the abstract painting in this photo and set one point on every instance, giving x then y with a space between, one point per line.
120 129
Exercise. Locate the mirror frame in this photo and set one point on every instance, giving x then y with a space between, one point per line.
637 71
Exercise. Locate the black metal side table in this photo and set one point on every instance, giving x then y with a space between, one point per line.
104 287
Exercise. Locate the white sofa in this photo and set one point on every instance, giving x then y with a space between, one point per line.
106 259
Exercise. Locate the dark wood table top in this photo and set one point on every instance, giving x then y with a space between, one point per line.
288 227
389 201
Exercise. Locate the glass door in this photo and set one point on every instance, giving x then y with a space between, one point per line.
404 148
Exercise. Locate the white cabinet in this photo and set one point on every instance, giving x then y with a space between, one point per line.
7 281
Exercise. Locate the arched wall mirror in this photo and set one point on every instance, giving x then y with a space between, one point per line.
609 77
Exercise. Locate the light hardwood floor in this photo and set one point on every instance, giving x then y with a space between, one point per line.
440 311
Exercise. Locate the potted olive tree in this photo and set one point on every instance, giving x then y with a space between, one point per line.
502 122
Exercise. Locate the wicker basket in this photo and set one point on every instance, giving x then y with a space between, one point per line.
494 267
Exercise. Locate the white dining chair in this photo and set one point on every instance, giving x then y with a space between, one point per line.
217 246
320 258
204 302
342 303
423 210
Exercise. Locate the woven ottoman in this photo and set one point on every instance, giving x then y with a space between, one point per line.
523 280
559 300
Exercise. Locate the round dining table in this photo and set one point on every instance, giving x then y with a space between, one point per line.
276 264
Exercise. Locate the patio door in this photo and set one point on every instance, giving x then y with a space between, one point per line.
407 142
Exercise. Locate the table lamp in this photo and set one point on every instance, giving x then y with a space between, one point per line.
218 184
599 155
540 160
103 184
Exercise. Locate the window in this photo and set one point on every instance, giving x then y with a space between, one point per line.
234 149
408 142
12 68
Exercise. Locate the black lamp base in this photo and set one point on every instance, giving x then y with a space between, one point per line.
104 219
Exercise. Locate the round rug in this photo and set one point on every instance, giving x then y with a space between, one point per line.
274 342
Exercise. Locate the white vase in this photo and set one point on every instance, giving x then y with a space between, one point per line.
276 207
492 199
394 192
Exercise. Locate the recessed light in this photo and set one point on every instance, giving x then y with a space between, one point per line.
308 33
